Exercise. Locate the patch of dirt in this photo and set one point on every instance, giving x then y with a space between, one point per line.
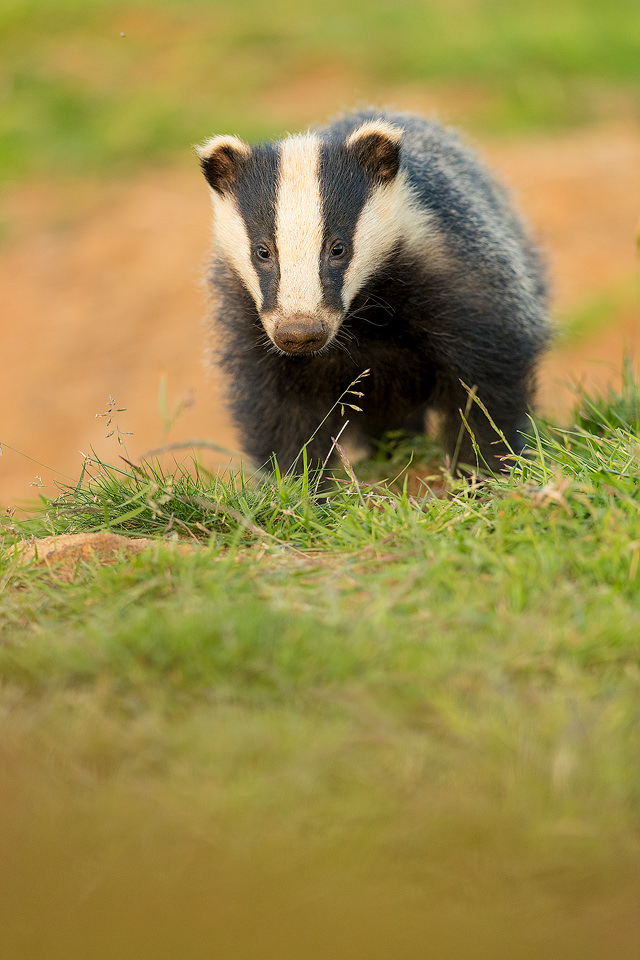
63 555
102 296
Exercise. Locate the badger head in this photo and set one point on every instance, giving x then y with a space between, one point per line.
305 223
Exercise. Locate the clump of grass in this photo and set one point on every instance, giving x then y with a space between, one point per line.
616 410
583 469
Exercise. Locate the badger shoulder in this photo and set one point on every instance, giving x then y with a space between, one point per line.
458 209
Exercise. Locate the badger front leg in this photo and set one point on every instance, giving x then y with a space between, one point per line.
488 418
275 419
291 440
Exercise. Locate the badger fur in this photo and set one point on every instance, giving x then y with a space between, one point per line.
377 243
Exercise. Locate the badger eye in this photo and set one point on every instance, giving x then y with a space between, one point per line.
338 250
263 253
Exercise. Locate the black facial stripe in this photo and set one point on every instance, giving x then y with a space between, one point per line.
269 279
256 192
344 188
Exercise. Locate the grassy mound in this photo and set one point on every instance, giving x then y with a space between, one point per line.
370 724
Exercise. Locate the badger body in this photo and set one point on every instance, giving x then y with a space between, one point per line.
380 243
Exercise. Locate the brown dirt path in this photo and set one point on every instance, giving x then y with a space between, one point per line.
102 295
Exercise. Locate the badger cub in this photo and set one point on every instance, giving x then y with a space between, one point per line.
379 242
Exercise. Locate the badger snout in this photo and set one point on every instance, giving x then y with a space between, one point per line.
300 336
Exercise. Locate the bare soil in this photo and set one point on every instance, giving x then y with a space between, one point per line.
102 295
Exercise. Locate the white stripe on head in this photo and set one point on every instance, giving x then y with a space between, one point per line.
230 233
299 227
221 157
391 215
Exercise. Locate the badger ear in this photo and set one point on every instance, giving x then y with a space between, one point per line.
376 145
222 159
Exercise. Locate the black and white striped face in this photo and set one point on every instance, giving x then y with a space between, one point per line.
306 222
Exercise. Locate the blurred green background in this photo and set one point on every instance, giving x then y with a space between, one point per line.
89 85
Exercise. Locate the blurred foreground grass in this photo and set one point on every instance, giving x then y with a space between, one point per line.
90 85
368 726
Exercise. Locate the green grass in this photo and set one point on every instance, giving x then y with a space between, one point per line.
338 724
103 87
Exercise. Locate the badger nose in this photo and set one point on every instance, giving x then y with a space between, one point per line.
300 336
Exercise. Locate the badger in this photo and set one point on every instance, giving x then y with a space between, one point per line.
378 243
